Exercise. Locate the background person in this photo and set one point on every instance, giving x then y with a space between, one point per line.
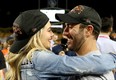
105 44
113 35
104 37
2 66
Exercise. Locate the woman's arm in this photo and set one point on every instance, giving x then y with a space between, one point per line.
51 63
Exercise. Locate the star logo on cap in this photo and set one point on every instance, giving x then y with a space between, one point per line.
77 9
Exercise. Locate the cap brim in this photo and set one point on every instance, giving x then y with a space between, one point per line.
17 45
66 18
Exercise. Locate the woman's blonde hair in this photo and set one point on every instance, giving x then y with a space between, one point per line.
16 61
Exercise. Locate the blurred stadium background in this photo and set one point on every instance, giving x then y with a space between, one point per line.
9 9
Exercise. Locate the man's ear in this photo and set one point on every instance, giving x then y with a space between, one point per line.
89 30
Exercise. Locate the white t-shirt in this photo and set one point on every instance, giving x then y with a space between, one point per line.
105 44
107 76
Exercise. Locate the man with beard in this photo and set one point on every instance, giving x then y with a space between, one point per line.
82 27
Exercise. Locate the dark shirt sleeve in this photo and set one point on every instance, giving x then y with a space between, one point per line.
56 49
2 61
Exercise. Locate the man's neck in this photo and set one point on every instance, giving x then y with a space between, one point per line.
88 46
103 33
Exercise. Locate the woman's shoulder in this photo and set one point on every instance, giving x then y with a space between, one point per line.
41 53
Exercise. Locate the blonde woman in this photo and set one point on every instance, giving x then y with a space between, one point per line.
35 61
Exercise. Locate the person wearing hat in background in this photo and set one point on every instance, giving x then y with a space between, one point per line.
35 61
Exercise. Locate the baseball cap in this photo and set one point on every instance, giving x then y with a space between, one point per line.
81 14
29 22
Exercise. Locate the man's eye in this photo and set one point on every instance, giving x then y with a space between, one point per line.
70 26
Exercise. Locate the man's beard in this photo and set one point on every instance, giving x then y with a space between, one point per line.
78 41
